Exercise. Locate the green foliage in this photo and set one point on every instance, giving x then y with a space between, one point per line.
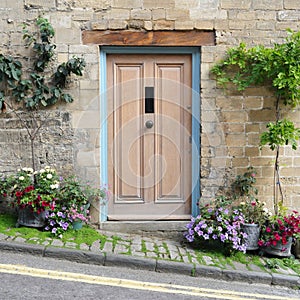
279 65
38 90
44 49
281 133
243 184
74 65
75 192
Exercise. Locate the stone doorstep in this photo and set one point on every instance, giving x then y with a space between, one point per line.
164 229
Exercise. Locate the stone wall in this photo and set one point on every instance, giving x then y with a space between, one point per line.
231 122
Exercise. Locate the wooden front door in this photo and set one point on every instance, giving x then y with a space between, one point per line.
149 136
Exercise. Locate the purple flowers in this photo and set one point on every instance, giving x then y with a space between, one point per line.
218 223
58 221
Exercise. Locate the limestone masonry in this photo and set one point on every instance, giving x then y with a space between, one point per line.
231 121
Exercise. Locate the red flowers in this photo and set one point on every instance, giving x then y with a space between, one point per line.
280 229
29 189
19 194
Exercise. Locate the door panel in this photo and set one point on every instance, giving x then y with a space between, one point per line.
149 166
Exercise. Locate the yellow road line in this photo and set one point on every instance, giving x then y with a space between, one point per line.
133 284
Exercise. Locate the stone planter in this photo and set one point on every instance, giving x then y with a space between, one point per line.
279 249
28 218
253 231
296 248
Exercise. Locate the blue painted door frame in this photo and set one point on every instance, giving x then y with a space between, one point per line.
195 53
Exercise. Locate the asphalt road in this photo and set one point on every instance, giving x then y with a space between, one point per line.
29 277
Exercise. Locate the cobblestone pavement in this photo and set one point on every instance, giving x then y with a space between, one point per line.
154 253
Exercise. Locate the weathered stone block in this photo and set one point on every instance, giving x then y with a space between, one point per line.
118 13
187 4
68 36
267 4
163 25
288 15
208 14
253 127
88 158
229 103
158 14
117 24
253 103
253 139
263 115
159 4
184 25
234 128
177 14
235 4
99 25
82 15
127 3
265 15
86 119
136 24
141 14
291 4
238 162
204 24
234 116
148 25
234 140
37 4
235 151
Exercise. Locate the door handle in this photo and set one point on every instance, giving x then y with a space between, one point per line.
149 124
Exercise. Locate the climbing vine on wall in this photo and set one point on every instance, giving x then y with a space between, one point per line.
278 67
38 86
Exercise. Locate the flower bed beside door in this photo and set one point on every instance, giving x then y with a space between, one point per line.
45 200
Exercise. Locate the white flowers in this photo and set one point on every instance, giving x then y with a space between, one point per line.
49 176
27 170
21 178
54 186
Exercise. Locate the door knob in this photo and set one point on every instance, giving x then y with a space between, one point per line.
149 124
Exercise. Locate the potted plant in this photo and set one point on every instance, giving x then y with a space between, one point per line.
72 205
32 193
254 211
278 233
255 214
78 215
217 222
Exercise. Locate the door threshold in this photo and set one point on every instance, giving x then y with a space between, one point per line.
165 229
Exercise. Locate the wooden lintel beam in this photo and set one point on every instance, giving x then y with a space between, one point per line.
149 38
